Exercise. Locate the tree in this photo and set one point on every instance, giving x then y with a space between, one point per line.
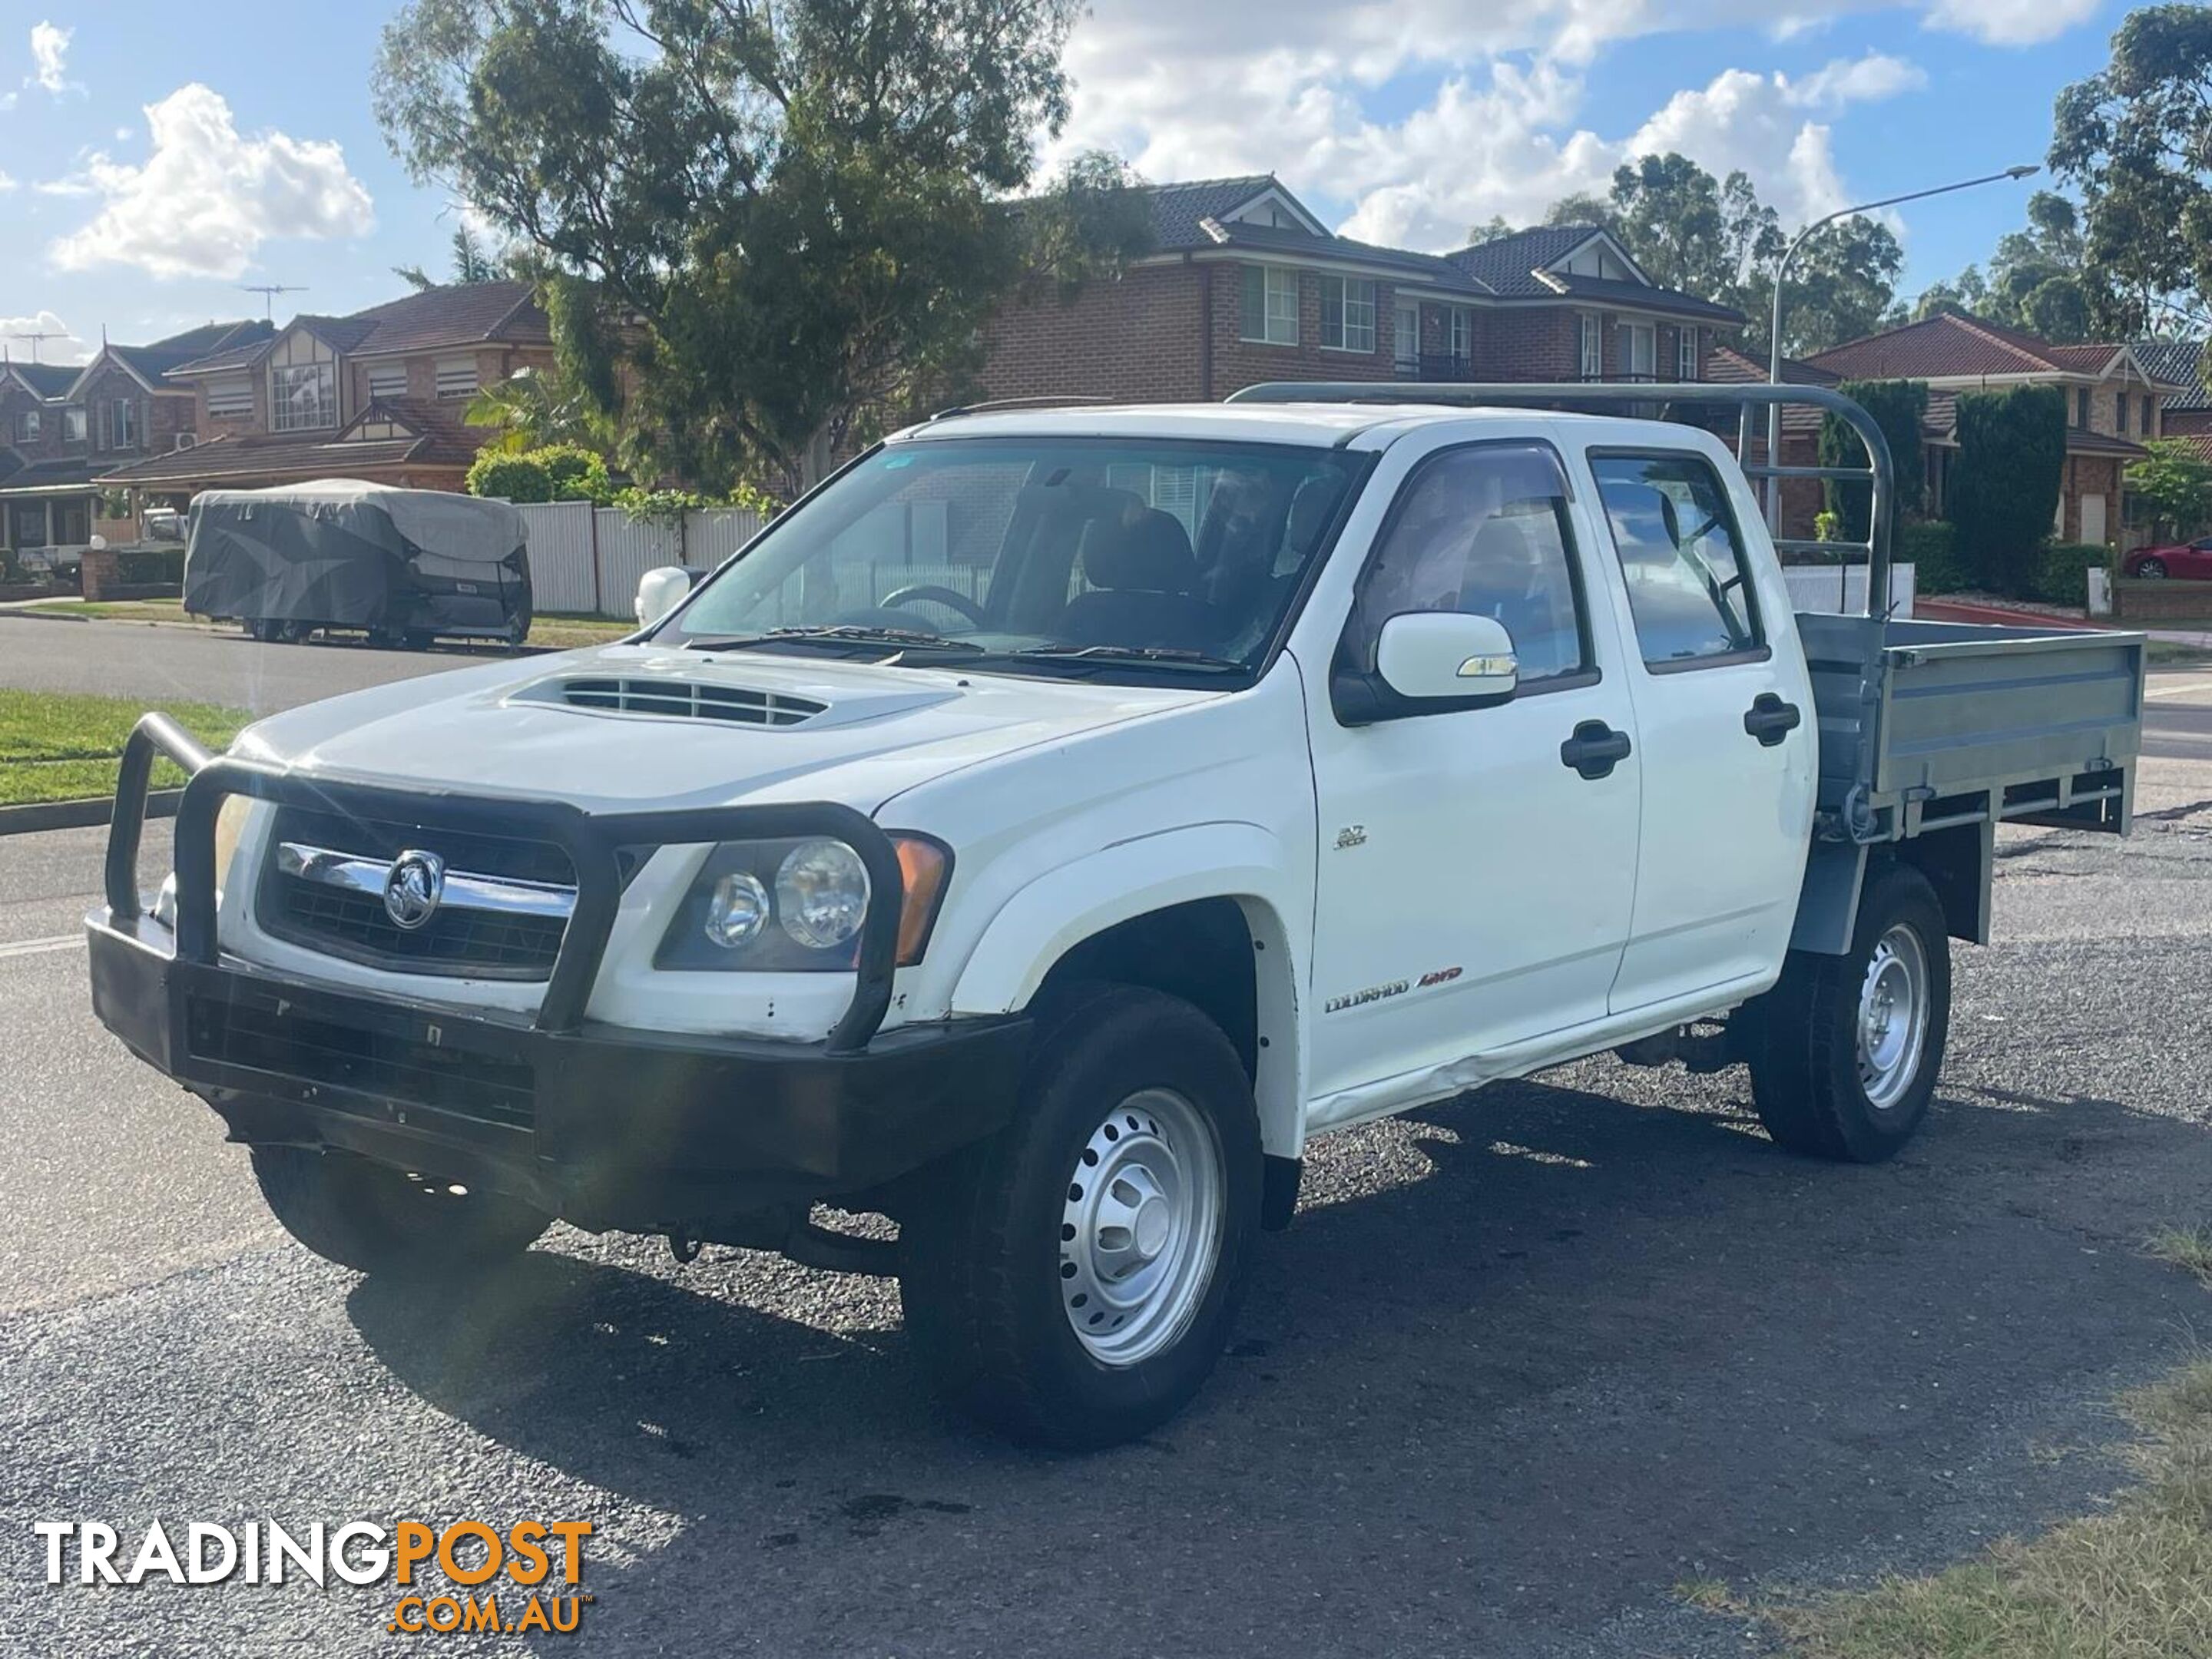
2003 487
2174 481
1583 208
470 265
534 407
2132 139
1494 229
759 232
1840 287
1898 407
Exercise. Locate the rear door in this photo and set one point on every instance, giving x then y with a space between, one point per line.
1476 867
1724 718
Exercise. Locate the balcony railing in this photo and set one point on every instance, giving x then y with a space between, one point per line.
1447 369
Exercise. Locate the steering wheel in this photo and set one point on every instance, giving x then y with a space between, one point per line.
944 595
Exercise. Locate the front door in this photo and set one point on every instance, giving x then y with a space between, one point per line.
2092 520
1474 883
1409 340
1724 717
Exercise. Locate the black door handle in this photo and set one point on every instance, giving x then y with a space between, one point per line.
1770 720
1595 750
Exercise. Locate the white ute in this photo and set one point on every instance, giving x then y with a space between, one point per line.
1049 825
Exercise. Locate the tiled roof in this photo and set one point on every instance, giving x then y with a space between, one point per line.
57 474
1508 266
1727 365
220 460
1177 209
1282 238
1609 291
1954 345
48 380
2180 362
463 313
217 336
448 440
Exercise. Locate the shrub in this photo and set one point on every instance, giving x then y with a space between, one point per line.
1898 408
2004 485
1932 551
1827 527
573 473
150 567
2053 574
510 477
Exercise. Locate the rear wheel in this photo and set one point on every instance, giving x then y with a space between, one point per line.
2153 568
378 1220
1072 1281
1846 1050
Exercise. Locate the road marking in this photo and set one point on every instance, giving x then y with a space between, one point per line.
2180 690
36 947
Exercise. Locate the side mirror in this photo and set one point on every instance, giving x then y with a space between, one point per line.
1447 653
659 592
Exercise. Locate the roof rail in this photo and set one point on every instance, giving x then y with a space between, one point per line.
1743 396
1040 401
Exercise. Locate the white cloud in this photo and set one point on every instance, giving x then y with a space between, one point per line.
2011 23
50 54
61 344
206 198
6 184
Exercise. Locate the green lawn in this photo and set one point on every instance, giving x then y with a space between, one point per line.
56 747
556 631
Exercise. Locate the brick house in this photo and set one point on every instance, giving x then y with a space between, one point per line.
2114 400
1243 284
62 426
2187 412
377 395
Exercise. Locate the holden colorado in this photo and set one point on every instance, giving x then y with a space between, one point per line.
1057 819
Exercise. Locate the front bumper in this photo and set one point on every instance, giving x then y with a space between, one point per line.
633 1131
605 1127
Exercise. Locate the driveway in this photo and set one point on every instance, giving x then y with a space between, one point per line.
1525 1362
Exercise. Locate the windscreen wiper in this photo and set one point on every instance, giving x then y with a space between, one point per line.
902 639
1165 656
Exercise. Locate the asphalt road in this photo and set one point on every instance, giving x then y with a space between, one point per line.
201 664
1524 1362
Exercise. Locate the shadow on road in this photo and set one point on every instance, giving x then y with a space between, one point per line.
1524 1359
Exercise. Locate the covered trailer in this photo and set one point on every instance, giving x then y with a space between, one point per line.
403 566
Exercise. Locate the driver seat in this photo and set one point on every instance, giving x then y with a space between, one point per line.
1143 580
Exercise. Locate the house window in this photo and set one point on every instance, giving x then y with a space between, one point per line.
1686 362
2149 415
2082 409
302 397
457 377
1347 314
27 426
1271 305
230 399
390 380
2120 414
73 424
1591 347
123 424
1461 336
1639 356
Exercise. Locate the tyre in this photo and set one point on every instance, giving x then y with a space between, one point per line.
1072 1281
261 628
377 1220
2151 569
1846 1050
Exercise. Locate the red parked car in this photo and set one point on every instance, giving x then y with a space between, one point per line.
2181 559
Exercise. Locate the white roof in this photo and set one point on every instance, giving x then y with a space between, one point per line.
1323 425
436 518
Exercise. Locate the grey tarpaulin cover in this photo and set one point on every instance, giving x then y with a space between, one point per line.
358 554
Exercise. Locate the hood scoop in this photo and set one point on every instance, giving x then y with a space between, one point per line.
669 698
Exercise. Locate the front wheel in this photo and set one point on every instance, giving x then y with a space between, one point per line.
1072 1281
2151 569
1846 1050
377 1220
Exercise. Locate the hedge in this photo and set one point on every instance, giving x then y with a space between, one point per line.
2054 573
2004 485
1898 407
150 567
1933 551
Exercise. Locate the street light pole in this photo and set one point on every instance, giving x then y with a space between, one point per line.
1774 332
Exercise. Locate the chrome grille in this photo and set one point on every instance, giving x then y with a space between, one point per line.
503 913
689 700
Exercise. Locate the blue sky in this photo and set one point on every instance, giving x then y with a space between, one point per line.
1403 120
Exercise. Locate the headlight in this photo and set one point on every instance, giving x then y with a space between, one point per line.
229 829
797 904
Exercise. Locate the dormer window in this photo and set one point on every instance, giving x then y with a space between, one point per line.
73 423
27 426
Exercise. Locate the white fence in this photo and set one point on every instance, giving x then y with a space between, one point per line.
588 560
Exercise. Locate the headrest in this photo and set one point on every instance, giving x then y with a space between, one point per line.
1310 511
1148 552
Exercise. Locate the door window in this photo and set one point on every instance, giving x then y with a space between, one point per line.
1482 530
1681 558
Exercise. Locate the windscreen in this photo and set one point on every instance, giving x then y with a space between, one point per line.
1035 552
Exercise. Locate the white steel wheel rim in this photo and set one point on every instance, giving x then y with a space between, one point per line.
1892 1023
1141 1227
